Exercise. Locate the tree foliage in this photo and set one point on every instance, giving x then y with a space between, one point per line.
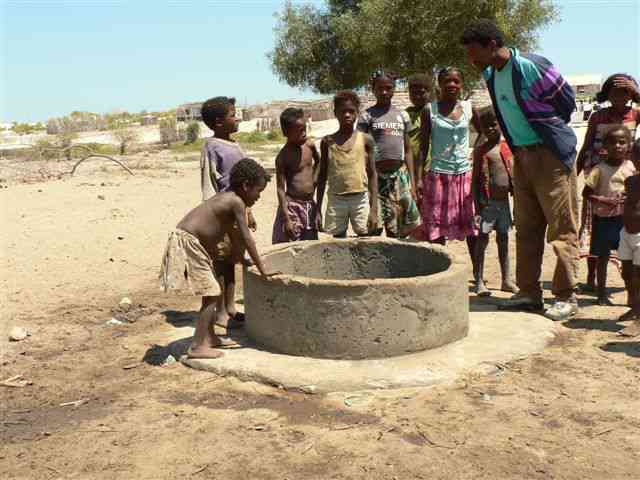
168 131
340 45
125 136
192 133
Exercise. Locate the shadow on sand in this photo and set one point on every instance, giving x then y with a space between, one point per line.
630 348
159 354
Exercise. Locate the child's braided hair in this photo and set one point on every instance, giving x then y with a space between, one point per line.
247 170
378 74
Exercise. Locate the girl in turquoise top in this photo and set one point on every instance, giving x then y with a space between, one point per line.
447 202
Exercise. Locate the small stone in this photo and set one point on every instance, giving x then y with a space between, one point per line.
170 360
309 389
18 333
101 197
486 397
125 304
114 321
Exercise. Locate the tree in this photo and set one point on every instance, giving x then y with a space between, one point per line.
66 134
192 133
125 137
326 49
168 130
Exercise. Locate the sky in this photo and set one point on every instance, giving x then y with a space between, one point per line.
58 56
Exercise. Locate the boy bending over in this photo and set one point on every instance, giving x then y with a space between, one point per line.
629 250
298 216
192 249
492 184
347 164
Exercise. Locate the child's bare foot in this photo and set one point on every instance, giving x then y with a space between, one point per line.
632 330
605 301
509 286
203 351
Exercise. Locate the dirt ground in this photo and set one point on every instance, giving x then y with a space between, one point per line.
73 247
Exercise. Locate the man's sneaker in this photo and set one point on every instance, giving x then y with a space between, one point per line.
562 309
521 302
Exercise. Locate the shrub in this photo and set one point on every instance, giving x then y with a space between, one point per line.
192 133
168 131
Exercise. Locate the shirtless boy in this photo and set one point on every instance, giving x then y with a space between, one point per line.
298 216
192 249
492 184
629 249
347 164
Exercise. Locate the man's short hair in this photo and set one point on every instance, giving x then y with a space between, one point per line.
288 117
482 31
247 170
216 108
344 96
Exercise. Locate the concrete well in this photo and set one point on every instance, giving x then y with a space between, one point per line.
357 299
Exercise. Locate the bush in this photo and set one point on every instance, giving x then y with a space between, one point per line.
192 133
253 138
168 131
275 135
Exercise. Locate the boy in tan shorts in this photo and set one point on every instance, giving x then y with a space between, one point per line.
347 165
192 249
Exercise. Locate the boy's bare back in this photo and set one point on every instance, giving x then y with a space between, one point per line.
296 164
631 212
210 220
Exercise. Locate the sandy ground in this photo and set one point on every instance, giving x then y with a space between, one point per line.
73 247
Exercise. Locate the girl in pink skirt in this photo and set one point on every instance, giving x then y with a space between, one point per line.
448 210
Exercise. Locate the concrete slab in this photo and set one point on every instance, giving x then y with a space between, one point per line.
494 337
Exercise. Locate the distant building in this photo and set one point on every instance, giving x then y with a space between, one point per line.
585 86
188 112
148 120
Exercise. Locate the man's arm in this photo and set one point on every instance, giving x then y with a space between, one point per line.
550 87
